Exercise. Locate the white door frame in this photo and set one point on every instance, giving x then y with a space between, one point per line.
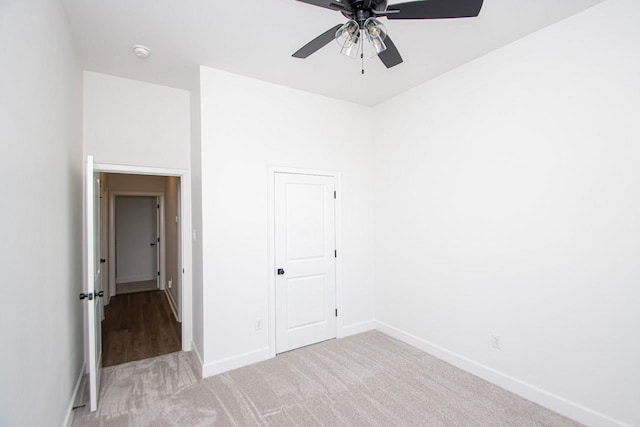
161 260
186 298
271 273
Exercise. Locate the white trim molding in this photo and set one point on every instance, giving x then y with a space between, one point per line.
69 417
186 297
198 354
172 304
535 394
133 279
358 328
234 362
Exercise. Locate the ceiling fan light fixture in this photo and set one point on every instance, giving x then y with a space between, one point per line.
375 33
348 37
363 28
352 50
346 32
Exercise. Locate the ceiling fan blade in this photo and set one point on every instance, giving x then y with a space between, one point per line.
318 43
330 4
435 9
390 57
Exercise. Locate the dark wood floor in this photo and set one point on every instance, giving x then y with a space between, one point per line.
138 326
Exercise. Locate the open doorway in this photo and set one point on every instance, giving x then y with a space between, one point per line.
141 226
137 243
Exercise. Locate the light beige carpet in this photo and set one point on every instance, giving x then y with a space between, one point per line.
367 379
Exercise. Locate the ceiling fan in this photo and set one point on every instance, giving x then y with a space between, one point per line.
364 27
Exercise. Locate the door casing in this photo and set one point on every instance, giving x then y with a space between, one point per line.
185 248
271 273
161 260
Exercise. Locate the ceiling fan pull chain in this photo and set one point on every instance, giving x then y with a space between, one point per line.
362 54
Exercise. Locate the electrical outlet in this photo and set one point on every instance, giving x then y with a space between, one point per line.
258 324
170 282
495 341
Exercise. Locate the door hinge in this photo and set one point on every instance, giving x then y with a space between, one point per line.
335 194
336 312
158 273
158 240
183 271
335 253
157 206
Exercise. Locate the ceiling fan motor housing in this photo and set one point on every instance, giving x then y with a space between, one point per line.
361 10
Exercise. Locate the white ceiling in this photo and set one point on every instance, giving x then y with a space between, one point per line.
256 38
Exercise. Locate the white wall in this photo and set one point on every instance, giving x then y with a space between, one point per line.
248 125
143 125
135 123
136 183
196 201
41 245
507 200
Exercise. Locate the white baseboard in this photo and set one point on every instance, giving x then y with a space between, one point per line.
219 366
172 304
251 357
131 279
535 394
358 328
198 354
68 419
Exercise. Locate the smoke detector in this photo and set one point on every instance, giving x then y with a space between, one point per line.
141 51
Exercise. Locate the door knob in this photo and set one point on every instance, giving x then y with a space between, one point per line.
99 294
280 271
153 244
87 296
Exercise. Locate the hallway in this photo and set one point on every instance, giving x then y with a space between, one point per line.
138 326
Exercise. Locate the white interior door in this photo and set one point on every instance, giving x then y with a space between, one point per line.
136 239
305 260
93 287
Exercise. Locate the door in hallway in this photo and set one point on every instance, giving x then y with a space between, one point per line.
305 260
136 239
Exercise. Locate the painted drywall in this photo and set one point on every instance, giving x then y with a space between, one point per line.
136 183
196 202
136 230
506 201
104 236
135 123
172 239
248 125
41 245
